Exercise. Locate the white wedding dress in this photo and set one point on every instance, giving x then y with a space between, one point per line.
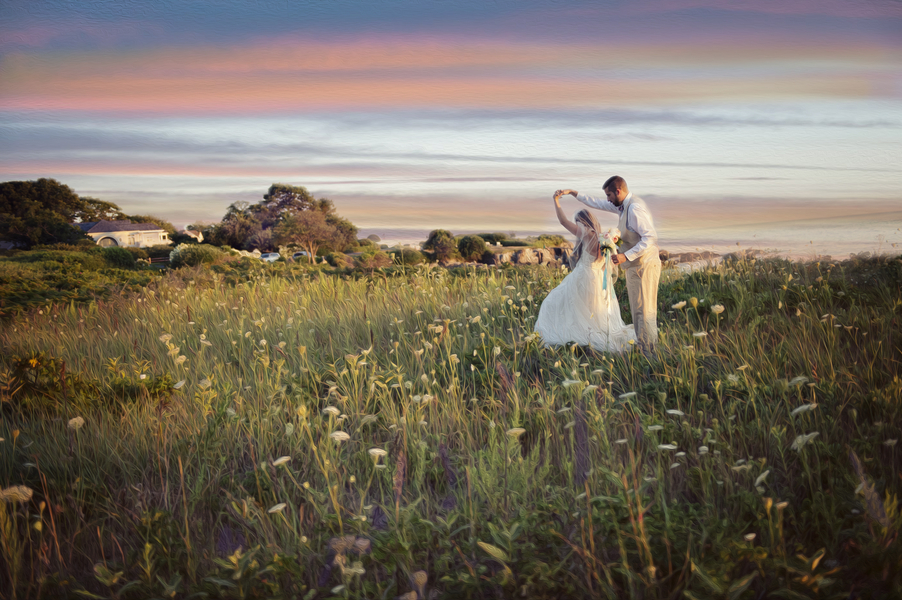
584 308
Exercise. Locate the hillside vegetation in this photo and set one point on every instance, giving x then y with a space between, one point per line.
263 433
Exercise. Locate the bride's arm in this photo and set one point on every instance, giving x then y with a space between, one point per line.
567 223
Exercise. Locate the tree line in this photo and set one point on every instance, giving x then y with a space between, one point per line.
43 212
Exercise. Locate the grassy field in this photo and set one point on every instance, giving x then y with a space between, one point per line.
294 434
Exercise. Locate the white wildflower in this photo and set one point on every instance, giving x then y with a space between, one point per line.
803 439
339 436
804 408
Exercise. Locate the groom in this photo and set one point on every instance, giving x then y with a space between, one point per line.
638 255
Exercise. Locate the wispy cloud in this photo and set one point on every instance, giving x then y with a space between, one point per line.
289 77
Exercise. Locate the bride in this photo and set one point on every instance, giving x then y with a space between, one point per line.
583 308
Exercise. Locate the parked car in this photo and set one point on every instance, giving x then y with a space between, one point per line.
299 254
269 257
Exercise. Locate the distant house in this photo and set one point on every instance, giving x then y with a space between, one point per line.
125 233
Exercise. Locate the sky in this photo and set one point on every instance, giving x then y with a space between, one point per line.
764 121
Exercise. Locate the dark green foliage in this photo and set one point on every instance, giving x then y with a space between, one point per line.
471 247
514 242
191 255
441 244
165 225
121 258
550 241
41 382
339 260
408 256
369 261
159 251
83 245
38 212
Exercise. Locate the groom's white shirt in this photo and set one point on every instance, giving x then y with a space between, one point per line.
638 220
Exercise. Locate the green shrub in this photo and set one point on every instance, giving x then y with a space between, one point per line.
365 243
471 247
514 242
190 255
547 240
409 256
339 260
91 260
79 246
137 252
118 257
158 251
441 243
374 260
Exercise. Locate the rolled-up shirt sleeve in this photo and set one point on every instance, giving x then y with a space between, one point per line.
599 203
639 220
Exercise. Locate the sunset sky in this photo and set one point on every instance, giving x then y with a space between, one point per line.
464 115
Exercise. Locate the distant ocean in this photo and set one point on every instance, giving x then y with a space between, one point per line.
835 237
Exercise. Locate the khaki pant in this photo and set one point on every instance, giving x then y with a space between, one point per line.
642 287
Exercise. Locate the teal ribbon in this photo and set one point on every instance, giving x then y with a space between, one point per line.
607 267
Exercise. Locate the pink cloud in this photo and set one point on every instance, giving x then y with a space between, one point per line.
287 76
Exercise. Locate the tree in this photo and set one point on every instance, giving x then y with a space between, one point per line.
441 243
345 233
238 226
166 225
251 226
280 201
39 212
93 210
471 247
307 229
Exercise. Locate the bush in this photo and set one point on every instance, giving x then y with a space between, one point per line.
371 261
513 242
89 261
441 243
190 255
137 252
339 260
551 241
119 257
158 251
471 247
365 243
409 256
79 246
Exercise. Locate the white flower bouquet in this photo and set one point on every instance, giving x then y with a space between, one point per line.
610 240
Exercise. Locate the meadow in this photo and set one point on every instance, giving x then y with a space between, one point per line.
276 432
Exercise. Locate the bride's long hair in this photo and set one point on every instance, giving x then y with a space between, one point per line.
587 238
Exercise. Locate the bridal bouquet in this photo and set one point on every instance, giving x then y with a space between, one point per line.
610 240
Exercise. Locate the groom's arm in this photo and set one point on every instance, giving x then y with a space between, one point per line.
594 202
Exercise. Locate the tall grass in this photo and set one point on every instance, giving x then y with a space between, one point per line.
227 430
